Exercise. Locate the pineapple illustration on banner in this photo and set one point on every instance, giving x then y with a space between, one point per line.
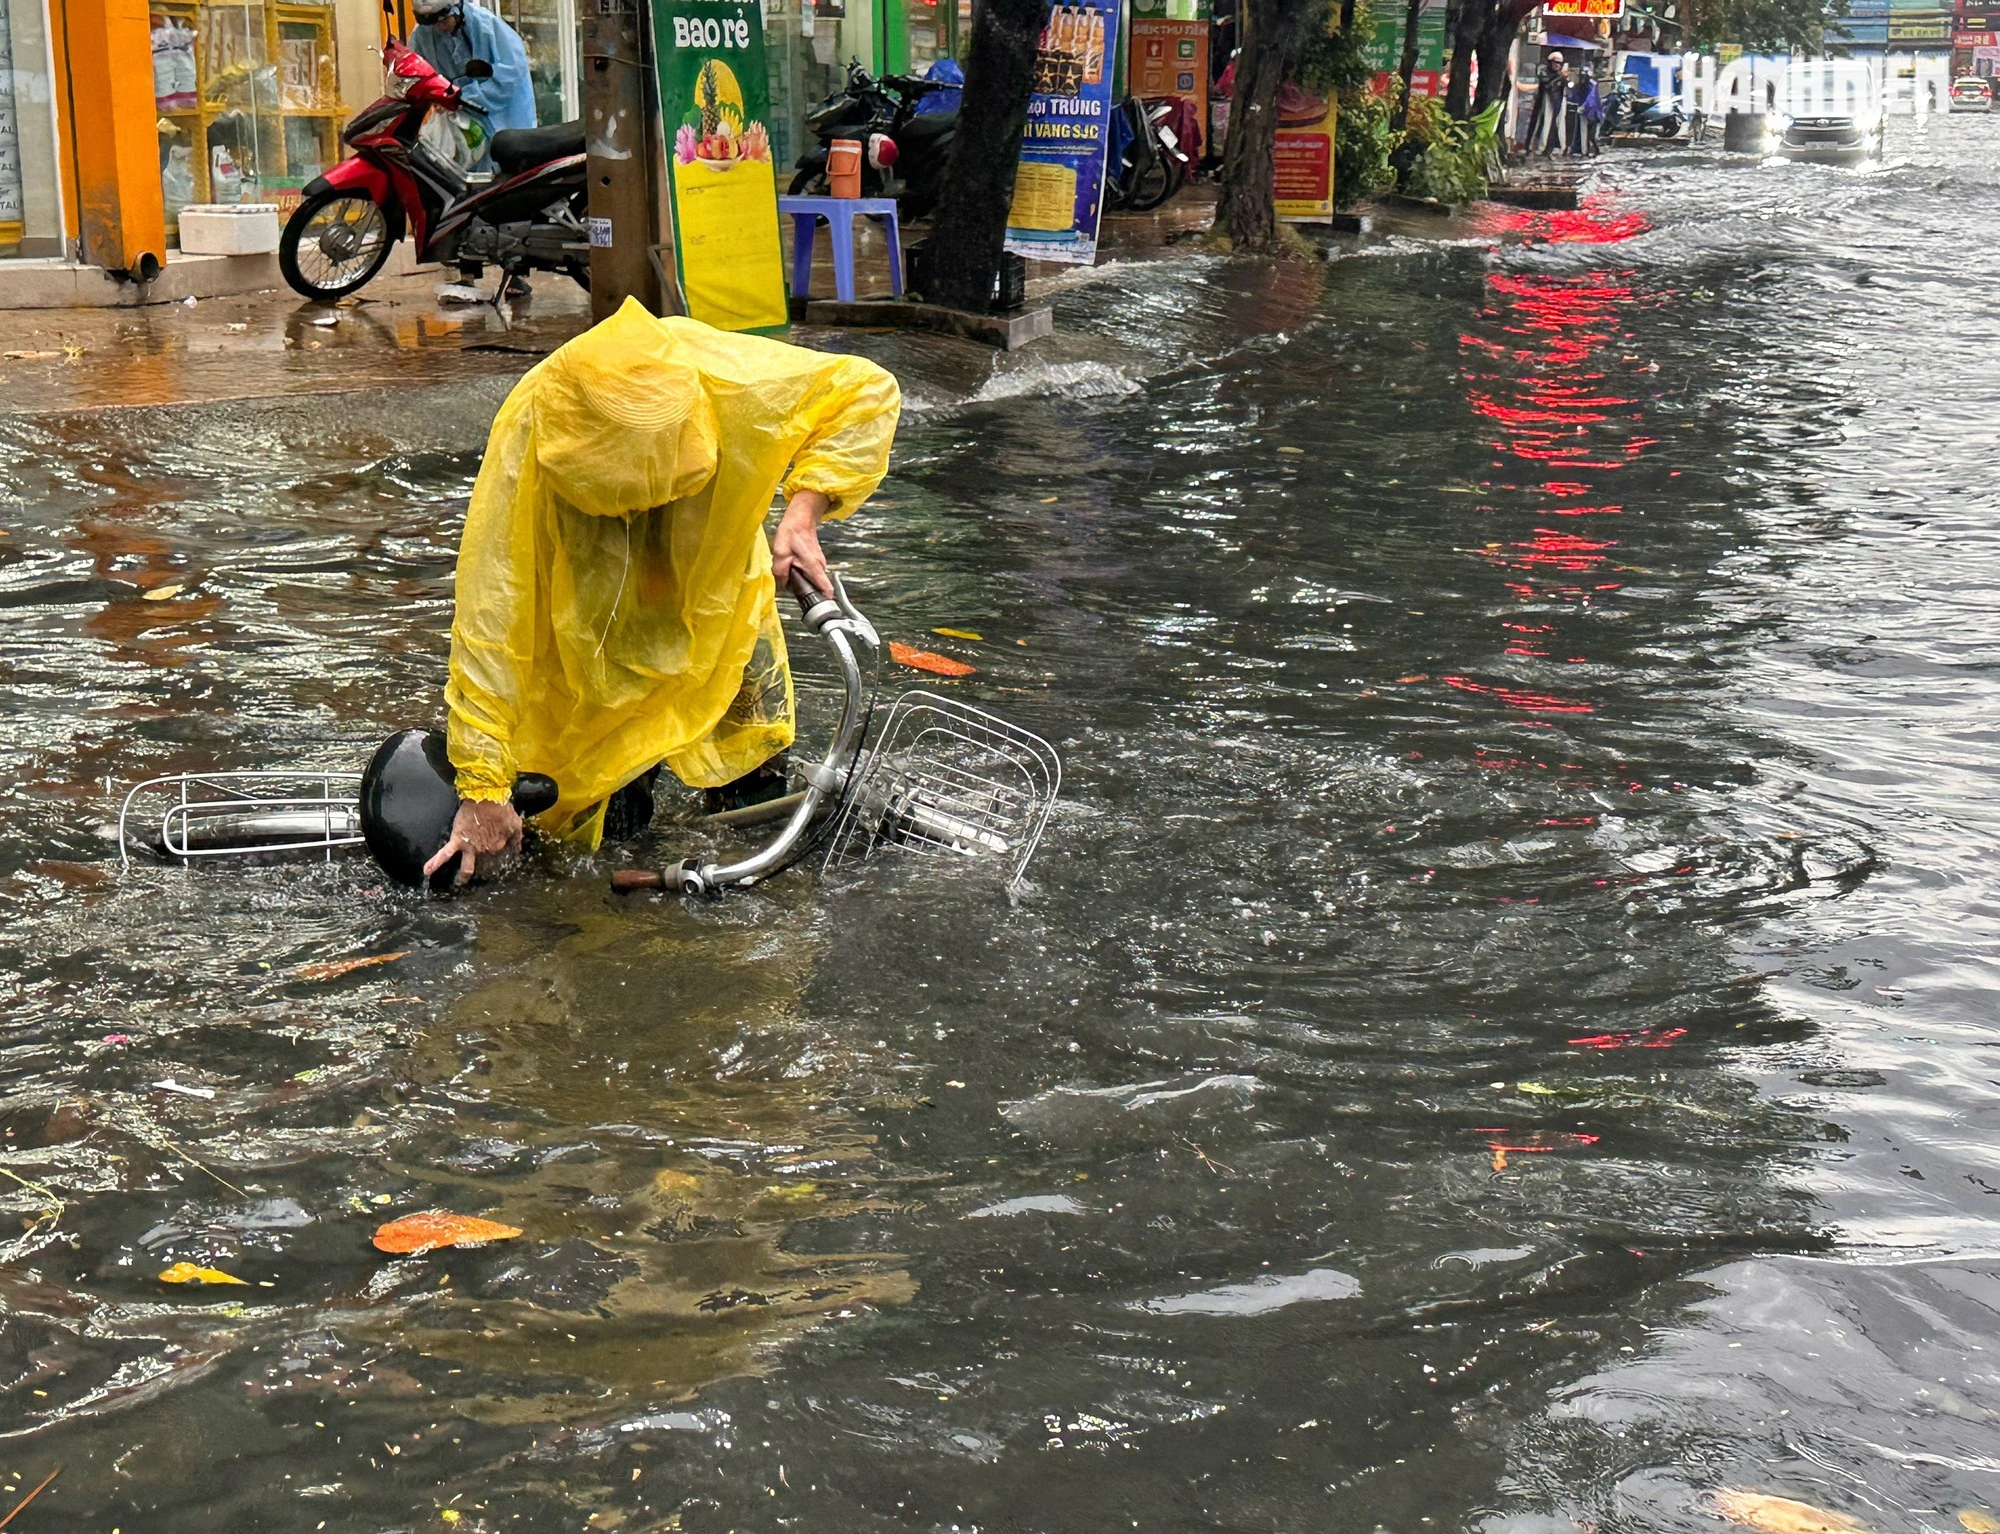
714 100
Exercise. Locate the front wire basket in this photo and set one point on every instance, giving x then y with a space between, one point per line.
224 814
945 778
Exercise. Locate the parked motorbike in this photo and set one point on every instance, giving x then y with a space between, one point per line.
1627 111
905 150
1145 164
529 217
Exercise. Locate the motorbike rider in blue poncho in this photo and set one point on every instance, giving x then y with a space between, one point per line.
451 33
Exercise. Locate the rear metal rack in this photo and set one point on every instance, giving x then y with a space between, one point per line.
217 814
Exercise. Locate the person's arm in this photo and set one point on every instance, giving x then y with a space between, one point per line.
836 415
493 40
837 467
854 407
491 653
797 540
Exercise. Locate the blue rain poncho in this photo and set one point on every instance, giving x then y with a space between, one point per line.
508 99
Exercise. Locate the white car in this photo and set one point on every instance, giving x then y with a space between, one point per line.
1972 93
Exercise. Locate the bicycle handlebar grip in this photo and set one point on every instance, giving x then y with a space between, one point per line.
534 793
626 881
800 585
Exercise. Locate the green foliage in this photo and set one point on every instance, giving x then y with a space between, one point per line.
1327 61
1362 143
1452 166
1762 26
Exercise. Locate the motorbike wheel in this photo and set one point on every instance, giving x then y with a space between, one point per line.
809 183
1671 128
1153 186
579 273
334 243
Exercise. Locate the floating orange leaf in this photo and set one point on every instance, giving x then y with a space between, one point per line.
925 660
188 1273
1780 1515
333 969
416 1234
1532 1142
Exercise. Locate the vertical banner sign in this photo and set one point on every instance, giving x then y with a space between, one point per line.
1302 157
1059 184
715 102
1169 54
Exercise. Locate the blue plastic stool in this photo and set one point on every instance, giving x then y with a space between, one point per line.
839 213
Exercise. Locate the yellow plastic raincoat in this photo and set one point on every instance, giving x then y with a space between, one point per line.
615 602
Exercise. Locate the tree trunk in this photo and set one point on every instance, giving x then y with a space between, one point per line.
1495 80
969 228
1500 25
1462 26
1409 68
1248 205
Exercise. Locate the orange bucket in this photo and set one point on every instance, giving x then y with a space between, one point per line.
843 167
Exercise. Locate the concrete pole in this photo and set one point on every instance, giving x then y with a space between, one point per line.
618 139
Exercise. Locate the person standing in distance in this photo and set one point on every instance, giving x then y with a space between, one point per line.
451 33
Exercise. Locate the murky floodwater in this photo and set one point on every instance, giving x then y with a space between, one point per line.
1499 1038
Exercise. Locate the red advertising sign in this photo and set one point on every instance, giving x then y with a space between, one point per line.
1302 168
1600 8
1300 162
1975 39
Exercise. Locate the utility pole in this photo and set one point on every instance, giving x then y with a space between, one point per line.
618 143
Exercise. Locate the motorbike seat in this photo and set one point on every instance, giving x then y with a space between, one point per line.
927 129
517 149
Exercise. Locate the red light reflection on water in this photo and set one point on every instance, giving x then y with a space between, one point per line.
1527 702
1596 222
1547 365
1645 1038
1540 369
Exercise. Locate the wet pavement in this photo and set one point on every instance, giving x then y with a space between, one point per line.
1498 1038
395 333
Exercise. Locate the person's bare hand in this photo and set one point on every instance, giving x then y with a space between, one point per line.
796 542
481 829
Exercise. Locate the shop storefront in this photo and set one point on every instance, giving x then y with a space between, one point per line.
808 45
251 94
1975 41
551 30
112 120
31 207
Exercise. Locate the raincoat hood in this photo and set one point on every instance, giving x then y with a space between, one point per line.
622 421
614 601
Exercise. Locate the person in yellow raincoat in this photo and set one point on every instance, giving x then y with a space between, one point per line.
616 601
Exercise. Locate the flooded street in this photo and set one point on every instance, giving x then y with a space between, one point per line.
1500 1037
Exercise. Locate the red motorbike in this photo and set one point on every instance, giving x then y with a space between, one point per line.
530 216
